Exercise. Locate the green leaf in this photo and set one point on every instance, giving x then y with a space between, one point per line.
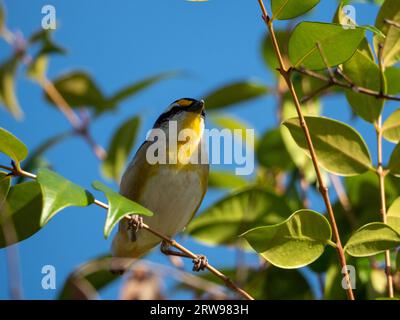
392 74
12 146
225 220
365 73
2 17
393 215
48 46
234 93
271 151
60 193
390 10
7 87
226 180
267 49
338 44
24 206
137 87
394 161
120 146
119 207
371 239
289 9
398 262
80 90
5 183
339 148
391 127
293 243
38 67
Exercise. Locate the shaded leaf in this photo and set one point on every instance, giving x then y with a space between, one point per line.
392 74
268 51
339 148
234 93
12 146
119 207
119 148
371 239
391 127
24 206
226 179
225 220
5 183
288 9
393 215
293 243
2 17
365 73
8 97
48 46
394 161
338 44
390 10
60 193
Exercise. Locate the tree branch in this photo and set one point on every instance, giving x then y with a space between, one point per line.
322 187
15 171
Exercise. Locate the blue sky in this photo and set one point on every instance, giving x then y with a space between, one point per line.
119 42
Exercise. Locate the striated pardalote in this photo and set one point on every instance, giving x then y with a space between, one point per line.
173 189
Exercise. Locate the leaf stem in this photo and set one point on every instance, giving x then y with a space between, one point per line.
228 282
285 72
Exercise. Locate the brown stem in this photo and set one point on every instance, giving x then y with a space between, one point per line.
228 282
392 23
322 187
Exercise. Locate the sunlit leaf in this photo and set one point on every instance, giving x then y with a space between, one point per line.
120 146
339 148
391 127
364 72
372 239
119 207
293 243
226 180
24 206
234 93
394 161
8 97
393 215
59 193
38 67
390 10
225 220
338 44
392 74
12 146
288 9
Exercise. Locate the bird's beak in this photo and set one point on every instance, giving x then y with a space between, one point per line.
197 107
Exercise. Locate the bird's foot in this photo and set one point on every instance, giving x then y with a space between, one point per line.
135 223
200 263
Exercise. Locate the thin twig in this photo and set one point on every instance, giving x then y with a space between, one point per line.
322 187
316 93
228 282
381 176
392 23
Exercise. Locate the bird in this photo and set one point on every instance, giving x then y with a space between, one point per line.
172 190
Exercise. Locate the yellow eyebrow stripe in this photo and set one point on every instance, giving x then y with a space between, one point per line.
184 102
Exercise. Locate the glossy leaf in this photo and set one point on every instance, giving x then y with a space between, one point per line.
394 161
371 239
390 10
8 97
119 148
391 127
271 151
226 180
364 72
119 207
60 193
12 146
294 243
288 9
393 215
338 44
339 148
234 93
225 220
24 206
392 74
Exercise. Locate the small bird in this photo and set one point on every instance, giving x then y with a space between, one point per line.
173 190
